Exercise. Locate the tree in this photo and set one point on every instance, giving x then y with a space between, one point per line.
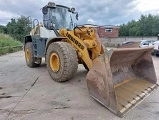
3 29
19 28
147 25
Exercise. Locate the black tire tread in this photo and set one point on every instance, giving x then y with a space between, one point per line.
69 58
31 63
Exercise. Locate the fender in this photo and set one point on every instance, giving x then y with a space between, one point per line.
51 40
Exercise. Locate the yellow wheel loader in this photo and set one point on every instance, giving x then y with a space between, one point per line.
119 79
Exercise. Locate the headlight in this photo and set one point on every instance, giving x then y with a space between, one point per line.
51 4
73 9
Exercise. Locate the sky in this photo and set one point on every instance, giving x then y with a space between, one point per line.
99 12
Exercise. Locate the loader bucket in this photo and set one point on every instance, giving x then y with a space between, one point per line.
122 78
132 45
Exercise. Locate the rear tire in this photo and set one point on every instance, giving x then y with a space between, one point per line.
29 56
61 60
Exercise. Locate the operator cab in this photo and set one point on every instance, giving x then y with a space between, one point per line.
58 16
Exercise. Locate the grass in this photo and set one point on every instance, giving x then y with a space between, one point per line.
8 44
6 40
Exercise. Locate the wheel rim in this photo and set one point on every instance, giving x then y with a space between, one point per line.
54 62
27 55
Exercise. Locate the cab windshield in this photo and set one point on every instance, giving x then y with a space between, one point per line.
61 18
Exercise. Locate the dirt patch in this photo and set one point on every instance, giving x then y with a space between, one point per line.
59 105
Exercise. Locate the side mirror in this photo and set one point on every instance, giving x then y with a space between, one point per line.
72 10
77 16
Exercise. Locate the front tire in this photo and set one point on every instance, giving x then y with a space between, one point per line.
61 60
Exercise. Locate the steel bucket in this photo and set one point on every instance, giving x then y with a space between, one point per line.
122 78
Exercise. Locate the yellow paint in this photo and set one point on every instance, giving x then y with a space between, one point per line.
36 29
130 92
27 55
88 39
125 81
54 62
